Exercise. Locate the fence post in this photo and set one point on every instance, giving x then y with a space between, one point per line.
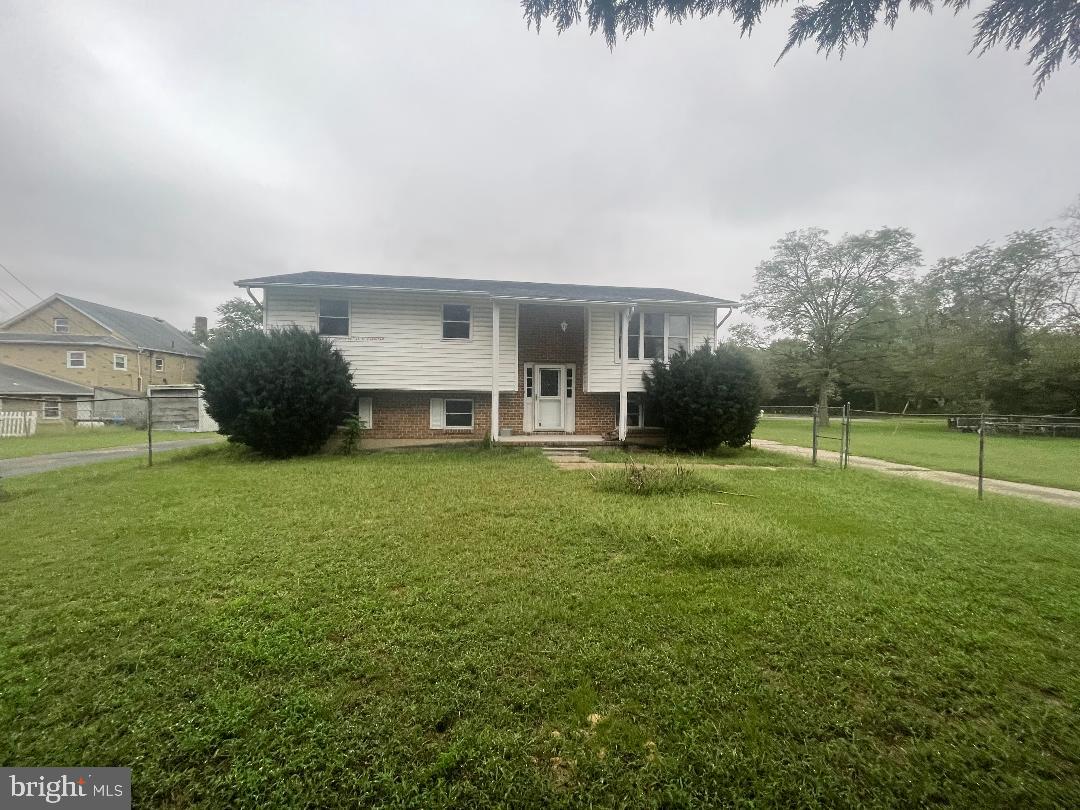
149 428
844 424
813 444
982 450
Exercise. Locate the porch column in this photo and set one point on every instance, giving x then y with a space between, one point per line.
624 351
494 370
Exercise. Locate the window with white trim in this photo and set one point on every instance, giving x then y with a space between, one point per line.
528 382
50 408
61 326
678 334
159 364
653 335
333 317
638 415
456 321
119 362
364 413
458 414
76 359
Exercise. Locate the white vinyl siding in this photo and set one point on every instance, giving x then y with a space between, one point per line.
395 339
602 358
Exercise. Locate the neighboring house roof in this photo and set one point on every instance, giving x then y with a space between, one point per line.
71 340
130 329
525 290
16 381
145 331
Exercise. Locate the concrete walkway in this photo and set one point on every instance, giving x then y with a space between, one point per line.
1060 497
32 465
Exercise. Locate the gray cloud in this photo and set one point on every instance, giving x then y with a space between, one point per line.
149 156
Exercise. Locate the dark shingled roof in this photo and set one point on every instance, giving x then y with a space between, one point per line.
496 289
16 381
144 331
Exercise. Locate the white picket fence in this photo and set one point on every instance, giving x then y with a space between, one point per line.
17 425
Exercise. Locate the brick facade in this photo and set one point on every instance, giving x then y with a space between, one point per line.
541 339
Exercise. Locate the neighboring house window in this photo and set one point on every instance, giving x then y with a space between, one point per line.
451 414
119 362
61 326
50 409
333 317
653 335
76 359
159 364
456 321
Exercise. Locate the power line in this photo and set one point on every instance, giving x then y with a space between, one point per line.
18 303
23 283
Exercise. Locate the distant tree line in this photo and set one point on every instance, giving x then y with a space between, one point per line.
996 329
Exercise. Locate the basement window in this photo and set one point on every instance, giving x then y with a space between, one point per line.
456 321
333 317
459 414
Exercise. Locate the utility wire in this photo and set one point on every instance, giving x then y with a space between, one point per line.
23 283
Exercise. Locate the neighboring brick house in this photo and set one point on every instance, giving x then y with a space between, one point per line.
98 346
430 355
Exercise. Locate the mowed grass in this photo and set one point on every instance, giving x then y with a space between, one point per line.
929 443
479 629
742 456
63 438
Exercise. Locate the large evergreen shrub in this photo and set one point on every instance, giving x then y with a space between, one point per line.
282 393
706 398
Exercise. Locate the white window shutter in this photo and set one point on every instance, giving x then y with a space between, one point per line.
364 414
438 415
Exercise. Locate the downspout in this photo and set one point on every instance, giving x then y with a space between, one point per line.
716 329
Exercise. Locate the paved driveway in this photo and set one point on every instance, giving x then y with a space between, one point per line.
31 465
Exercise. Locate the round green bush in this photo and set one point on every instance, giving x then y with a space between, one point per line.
706 398
282 393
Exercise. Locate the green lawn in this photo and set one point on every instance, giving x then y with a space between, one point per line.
929 443
477 628
64 438
722 455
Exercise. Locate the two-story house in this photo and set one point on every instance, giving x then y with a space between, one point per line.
97 346
446 358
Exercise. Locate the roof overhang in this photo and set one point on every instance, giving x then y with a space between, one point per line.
718 302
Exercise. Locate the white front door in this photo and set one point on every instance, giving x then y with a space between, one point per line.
549 397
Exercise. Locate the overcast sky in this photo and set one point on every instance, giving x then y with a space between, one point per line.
153 153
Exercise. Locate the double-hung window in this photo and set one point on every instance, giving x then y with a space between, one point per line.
653 335
61 326
159 364
678 334
76 359
50 408
456 321
333 317
119 362
459 413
